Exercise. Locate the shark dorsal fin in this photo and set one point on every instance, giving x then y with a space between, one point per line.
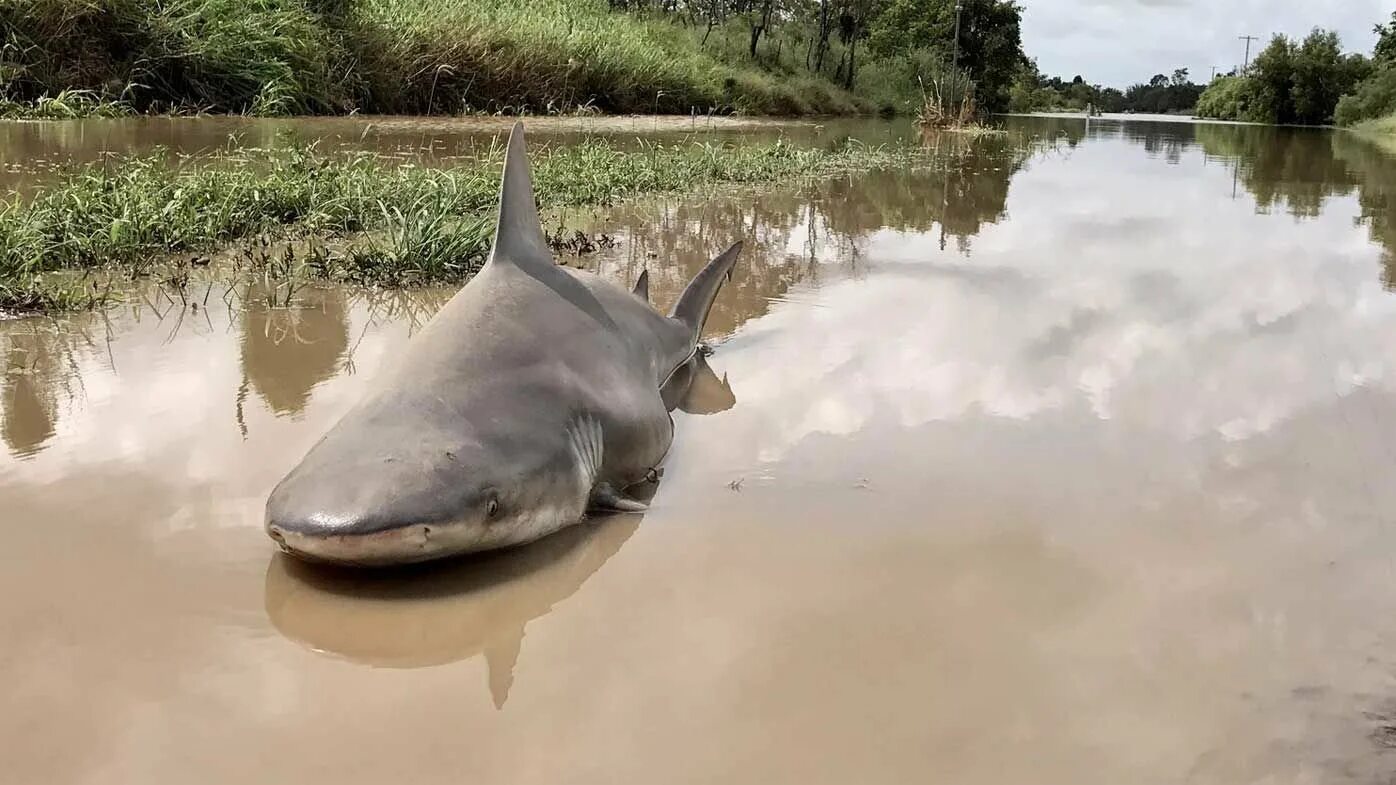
518 237
642 285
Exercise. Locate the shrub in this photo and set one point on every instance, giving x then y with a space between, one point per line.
1226 98
1375 97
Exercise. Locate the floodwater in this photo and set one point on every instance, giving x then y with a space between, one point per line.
34 153
1068 460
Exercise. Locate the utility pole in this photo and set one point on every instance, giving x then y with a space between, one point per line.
1214 73
1248 39
959 6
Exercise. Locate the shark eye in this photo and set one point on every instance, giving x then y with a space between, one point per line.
492 508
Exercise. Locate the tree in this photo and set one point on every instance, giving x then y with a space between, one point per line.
1226 98
854 19
824 27
1385 52
991 48
1301 82
1322 74
990 44
1272 77
1375 95
1180 77
758 14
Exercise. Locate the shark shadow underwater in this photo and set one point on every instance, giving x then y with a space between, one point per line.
537 393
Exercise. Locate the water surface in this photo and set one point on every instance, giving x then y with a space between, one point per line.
33 153
1064 461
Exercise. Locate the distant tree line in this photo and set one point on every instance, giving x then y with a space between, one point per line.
1163 94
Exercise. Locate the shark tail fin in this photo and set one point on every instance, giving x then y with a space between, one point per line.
518 237
642 286
697 299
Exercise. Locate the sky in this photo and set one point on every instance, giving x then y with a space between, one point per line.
1121 42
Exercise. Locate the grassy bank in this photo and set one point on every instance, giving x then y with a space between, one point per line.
411 224
1382 131
386 56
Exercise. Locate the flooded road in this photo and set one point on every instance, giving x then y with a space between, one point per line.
33 153
1066 461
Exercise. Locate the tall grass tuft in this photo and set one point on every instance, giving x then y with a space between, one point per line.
67 105
947 99
413 248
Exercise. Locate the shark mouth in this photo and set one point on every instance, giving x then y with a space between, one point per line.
398 545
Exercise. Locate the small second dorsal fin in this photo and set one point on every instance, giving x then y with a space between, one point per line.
518 236
642 285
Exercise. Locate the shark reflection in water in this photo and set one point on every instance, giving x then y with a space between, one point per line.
435 614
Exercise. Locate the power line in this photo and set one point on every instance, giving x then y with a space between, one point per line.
959 7
1247 39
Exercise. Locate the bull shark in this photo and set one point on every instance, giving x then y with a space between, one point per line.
444 612
536 394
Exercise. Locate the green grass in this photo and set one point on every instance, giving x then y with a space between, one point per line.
67 105
1381 131
411 249
393 56
409 224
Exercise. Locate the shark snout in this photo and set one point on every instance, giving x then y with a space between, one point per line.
379 496
395 545
359 517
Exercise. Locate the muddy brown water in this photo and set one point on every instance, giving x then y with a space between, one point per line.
1067 461
33 153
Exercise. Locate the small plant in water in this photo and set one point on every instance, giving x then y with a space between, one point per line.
947 99
40 293
413 248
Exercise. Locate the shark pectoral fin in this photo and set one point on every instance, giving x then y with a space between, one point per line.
605 497
500 658
675 388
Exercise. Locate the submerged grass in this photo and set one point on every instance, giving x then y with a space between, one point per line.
39 293
412 224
